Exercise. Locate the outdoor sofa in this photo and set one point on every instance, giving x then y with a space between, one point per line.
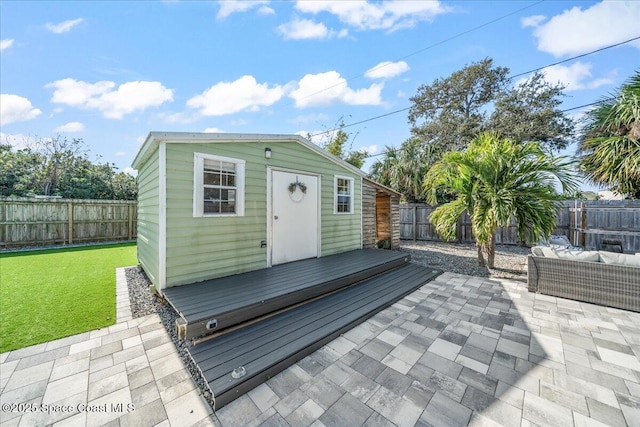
597 277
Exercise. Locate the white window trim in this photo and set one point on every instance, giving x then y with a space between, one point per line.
198 185
335 194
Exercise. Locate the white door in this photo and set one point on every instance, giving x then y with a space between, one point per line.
294 216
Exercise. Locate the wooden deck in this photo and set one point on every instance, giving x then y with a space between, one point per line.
213 305
265 348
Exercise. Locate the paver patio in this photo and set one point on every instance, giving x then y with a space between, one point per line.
459 351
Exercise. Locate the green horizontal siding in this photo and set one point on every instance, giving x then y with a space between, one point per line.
148 217
209 247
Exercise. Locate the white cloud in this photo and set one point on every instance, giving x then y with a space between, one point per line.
386 15
370 149
133 96
266 10
300 29
70 127
309 118
213 130
577 31
5 44
182 117
17 140
76 93
113 103
120 153
243 94
228 7
317 137
576 76
328 88
532 21
387 69
14 108
63 27
131 171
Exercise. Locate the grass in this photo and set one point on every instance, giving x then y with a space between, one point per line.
54 293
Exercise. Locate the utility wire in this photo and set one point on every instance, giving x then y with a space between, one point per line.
575 57
510 78
562 111
438 43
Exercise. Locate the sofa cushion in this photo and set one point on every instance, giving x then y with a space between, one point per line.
591 256
619 259
561 253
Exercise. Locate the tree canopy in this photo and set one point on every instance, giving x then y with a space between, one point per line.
450 112
336 144
61 167
610 142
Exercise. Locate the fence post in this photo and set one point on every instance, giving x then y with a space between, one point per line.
70 209
415 222
583 224
5 217
130 221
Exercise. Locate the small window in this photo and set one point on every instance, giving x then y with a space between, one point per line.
219 186
343 195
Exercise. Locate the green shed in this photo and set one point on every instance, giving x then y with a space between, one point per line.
217 204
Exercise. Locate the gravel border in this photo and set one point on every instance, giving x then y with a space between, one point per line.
462 258
143 303
459 258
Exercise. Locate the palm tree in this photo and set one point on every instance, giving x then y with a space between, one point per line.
610 144
493 180
403 168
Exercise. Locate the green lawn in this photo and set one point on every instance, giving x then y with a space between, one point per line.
54 293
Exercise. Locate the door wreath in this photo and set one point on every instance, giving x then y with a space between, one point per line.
294 194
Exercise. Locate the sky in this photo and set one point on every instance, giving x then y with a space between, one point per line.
110 72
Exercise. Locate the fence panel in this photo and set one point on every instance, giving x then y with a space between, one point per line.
608 219
585 223
46 221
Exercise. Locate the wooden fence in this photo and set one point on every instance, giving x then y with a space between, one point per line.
591 222
47 221
585 223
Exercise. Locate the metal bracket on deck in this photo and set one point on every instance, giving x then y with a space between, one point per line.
212 324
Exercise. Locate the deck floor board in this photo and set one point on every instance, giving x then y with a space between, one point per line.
269 346
235 299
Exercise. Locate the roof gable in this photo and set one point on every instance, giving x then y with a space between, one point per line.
154 138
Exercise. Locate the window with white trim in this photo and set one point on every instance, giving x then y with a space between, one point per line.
218 186
343 195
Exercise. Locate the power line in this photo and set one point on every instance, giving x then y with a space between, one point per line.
562 111
589 105
510 78
362 121
575 57
438 43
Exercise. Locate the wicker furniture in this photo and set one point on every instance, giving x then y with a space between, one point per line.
595 282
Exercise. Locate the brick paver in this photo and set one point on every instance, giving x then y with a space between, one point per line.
102 377
459 351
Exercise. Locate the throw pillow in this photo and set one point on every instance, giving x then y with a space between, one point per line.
619 259
537 251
